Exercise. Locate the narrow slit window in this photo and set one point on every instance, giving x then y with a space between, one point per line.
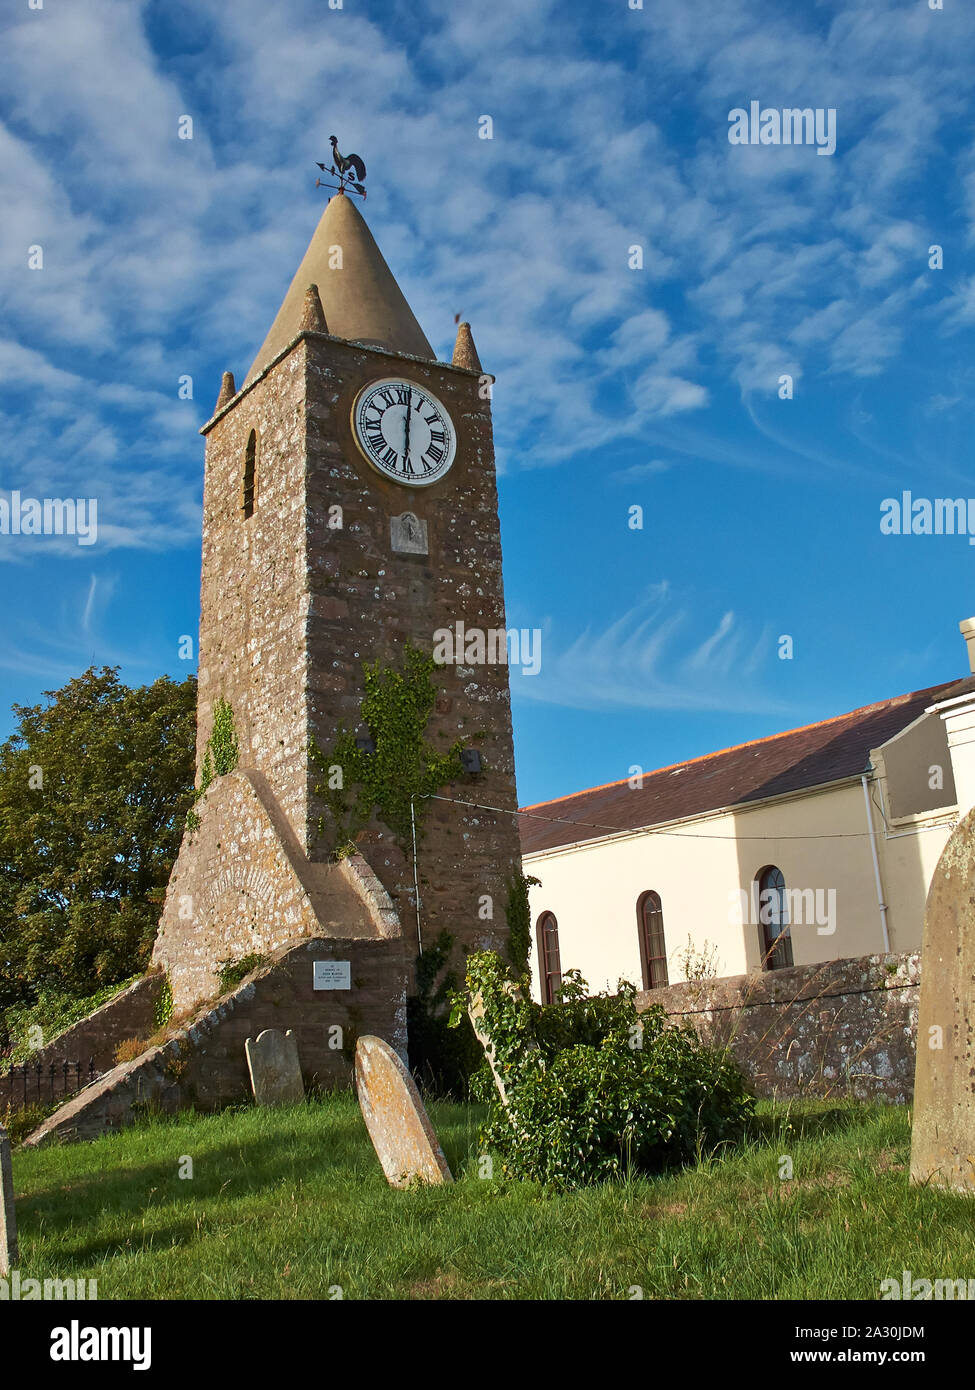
250 477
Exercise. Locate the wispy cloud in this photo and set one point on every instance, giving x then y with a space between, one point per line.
638 472
653 656
89 605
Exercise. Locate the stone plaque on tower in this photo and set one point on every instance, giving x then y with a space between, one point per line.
408 534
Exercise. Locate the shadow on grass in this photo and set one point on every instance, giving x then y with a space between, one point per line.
457 1132
224 1171
311 1143
799 1122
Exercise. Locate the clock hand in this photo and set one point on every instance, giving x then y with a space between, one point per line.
406 451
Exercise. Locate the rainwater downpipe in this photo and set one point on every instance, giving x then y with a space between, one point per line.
416 879
876 864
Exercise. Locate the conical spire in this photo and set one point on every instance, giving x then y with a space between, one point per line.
227 391
360 298
465 353
313 315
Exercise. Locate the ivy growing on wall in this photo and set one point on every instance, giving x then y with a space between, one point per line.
163 1010
396 708
518 916
221 755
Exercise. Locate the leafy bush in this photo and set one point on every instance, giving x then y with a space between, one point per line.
163 1009
518 915
220 756
596 1090
223 740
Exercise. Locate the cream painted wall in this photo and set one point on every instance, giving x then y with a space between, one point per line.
959 720
909 852
818 839
593 890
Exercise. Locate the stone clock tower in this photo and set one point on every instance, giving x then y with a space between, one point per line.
350 508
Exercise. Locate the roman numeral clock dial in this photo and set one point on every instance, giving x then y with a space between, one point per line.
404 432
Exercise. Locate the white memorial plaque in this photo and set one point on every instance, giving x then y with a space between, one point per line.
333 974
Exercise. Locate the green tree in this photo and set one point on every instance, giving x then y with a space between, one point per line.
94 790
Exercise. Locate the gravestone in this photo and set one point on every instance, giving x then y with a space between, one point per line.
273 1064
943 1137
398 1125
8 1216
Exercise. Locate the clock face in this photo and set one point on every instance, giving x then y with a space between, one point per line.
404 432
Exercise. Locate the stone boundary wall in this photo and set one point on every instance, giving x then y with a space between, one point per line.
841 1028
131 1014
202 1062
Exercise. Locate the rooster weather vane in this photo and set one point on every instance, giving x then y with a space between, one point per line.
347 168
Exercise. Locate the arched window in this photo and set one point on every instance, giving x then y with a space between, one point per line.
250 476
653 947
549 963
773 917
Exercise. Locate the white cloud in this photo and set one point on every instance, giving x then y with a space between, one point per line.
637 472
648 658
165 256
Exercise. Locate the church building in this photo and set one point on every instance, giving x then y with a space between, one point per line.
813 845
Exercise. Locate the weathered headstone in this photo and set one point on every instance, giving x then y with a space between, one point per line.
273 1064
8 1216
398 1124
943 1138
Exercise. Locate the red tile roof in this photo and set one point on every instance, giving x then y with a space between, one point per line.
787 762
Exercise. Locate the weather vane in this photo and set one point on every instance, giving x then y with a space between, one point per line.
343 167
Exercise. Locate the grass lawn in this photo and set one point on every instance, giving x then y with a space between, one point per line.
286 1203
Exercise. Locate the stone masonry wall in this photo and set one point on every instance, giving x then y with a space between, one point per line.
203 1063
291 607
242 885
839 1028
366 601
131 1014
253 587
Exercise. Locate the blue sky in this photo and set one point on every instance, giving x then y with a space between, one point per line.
617 387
